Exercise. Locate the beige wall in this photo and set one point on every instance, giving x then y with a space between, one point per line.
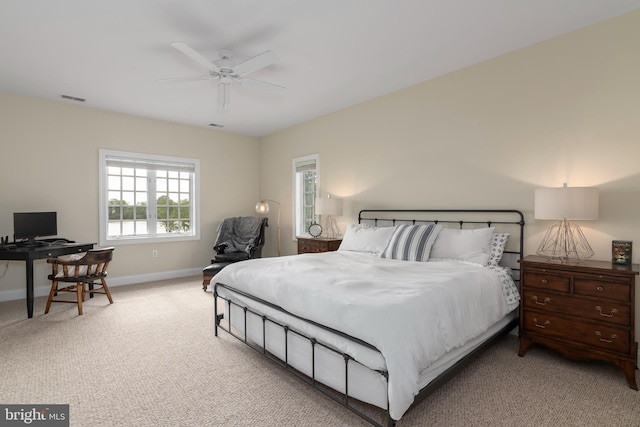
50 162
566 110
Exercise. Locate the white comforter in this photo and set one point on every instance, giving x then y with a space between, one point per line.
413 312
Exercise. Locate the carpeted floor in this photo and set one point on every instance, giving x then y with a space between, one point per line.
151 359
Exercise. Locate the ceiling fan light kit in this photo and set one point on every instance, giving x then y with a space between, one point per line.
224 95
228 72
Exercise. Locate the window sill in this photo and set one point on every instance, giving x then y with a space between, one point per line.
147 240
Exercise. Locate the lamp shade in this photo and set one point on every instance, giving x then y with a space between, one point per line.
573 203
328 206
262 207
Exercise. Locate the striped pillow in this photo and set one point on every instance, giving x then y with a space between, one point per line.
411 242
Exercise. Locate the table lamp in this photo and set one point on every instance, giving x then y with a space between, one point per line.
329 207
564 241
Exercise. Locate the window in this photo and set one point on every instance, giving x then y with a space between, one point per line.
306 182
144 197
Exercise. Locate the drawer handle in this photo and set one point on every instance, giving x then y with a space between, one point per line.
613 311
613 337
546 323
546 300
544 281
600 289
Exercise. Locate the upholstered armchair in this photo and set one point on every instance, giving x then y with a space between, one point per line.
238 239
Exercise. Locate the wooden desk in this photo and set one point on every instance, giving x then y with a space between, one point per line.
30 254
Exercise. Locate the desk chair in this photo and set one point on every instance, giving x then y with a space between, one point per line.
80 270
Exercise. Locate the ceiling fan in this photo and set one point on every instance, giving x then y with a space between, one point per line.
227 71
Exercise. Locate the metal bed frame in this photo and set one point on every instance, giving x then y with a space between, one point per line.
376 218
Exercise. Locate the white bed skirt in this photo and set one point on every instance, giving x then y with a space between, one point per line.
365 384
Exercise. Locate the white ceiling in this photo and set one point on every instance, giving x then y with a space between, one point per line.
332 53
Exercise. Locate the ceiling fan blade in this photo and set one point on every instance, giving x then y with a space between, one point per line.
185 79
195 55
259 84
257 62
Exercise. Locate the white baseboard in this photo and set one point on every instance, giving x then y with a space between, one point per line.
40 291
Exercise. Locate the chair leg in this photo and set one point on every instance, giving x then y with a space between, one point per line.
52 292
106 290
205 281
80 296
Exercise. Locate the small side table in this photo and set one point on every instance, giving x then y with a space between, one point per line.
585 311
317 244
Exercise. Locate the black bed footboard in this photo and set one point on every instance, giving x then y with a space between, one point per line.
314 343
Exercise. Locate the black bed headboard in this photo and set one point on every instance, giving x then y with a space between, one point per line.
504 220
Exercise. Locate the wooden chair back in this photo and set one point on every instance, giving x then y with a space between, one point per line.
95 261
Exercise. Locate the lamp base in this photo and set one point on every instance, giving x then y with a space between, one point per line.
565 243
330 228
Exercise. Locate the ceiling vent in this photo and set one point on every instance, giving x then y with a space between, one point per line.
72 98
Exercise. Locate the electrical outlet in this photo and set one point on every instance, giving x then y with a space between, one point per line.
154 253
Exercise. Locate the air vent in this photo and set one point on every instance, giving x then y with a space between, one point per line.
72 98
215 125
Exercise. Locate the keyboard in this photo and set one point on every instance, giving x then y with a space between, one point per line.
56 240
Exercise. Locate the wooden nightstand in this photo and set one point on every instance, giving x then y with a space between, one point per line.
318 244
584 311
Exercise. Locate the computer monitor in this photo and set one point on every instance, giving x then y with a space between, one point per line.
29 225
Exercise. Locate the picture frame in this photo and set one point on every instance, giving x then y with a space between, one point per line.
621 252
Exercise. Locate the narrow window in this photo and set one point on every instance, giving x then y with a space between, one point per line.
306 182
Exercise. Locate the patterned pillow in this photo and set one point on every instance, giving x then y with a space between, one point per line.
496 248
411 242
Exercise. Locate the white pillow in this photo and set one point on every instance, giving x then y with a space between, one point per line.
465 245
72 257
411 242
364 238
71 270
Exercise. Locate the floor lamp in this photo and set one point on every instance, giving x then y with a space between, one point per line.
262 207
564 241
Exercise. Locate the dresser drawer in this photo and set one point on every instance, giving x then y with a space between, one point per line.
605 311
600 289
609 312
597 335
309 246
317 245
543 280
